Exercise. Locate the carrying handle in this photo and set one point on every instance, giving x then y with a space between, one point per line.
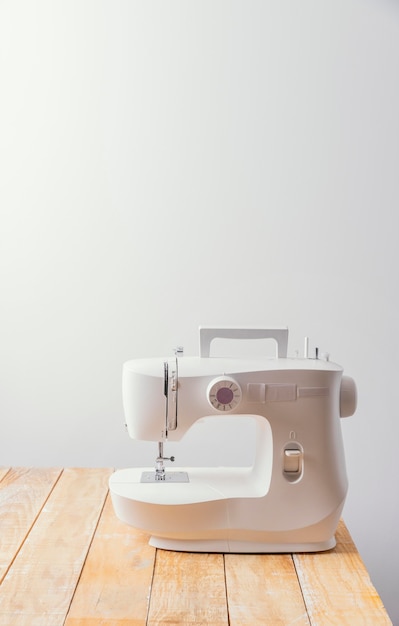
208 334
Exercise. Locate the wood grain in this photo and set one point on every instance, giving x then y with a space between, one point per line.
336 586
39 585
115 585
98 621
262 589
22 495
188 589
3 472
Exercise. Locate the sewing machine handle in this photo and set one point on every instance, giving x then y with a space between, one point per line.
208 334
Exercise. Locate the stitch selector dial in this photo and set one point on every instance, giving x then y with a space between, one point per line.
224 394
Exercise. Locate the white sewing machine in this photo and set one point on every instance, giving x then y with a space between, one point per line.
292 496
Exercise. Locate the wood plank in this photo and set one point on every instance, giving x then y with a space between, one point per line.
116 580
337 588
39 586
23 492
262 589
188 588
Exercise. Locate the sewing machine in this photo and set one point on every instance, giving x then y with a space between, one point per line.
289 500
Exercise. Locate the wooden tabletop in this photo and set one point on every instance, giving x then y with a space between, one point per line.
66 560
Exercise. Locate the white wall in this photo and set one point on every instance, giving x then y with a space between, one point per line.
166 164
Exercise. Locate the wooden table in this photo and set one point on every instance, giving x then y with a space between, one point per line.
65 559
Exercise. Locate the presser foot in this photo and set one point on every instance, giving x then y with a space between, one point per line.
166 477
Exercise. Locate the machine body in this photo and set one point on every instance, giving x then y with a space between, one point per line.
289 500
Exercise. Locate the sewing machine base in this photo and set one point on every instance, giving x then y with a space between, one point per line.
220 510
239 547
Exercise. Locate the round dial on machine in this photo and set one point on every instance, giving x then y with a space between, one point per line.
224 394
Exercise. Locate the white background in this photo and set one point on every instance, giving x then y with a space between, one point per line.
166 164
